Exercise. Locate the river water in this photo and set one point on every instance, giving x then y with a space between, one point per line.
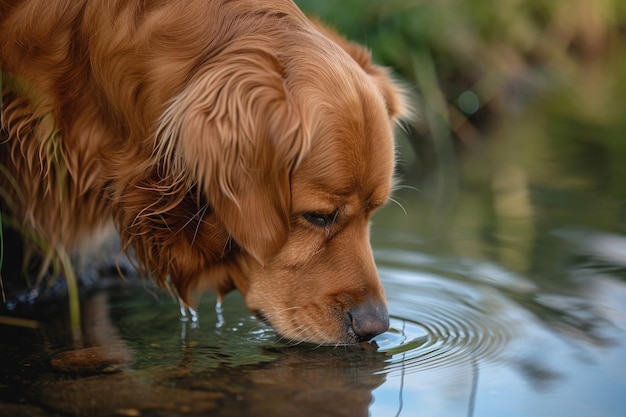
505 302
505 272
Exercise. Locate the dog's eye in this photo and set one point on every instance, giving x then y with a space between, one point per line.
320 219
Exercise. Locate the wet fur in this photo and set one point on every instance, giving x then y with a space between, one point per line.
203 131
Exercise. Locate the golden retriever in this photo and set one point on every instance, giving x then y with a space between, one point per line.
233 144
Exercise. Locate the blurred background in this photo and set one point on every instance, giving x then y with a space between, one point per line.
520 115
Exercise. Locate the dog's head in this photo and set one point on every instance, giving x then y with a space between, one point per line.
292 150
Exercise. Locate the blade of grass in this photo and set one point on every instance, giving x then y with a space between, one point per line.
72 292
19 322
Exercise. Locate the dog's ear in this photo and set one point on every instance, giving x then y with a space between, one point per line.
235 132
394 95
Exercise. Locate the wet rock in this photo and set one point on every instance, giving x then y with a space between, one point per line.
98 359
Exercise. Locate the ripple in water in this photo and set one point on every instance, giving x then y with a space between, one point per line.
437 323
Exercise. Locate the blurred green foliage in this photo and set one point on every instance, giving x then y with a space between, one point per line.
520 127
538 83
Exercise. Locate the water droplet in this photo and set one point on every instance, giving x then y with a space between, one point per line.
188 313
219 311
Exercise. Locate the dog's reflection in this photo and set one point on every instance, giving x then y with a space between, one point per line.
99 379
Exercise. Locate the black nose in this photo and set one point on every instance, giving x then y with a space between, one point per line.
369 319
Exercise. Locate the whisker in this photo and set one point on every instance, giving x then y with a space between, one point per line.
195 233
227 245
405 127
165 222
203 210
271 318
406 187
296 334
393 200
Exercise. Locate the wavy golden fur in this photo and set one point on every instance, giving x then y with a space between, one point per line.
233 144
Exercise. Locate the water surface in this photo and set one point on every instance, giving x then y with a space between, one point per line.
482 324
505 274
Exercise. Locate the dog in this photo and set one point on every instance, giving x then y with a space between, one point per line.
232 144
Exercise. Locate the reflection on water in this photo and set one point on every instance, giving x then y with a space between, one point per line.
467 337
512 301
494 311
532 324
458 326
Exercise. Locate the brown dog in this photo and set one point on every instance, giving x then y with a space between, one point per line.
235 144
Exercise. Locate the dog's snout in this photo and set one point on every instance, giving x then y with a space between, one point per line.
369 319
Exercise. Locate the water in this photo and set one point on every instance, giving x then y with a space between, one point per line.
507 295
504 348
469 336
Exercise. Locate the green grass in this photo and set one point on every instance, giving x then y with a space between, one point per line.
564 61
52 256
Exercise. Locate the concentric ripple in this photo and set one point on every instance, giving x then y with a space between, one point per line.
437 323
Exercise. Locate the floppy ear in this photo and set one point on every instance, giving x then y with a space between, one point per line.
393 94
234 131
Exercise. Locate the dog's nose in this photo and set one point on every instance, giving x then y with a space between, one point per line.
369 319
